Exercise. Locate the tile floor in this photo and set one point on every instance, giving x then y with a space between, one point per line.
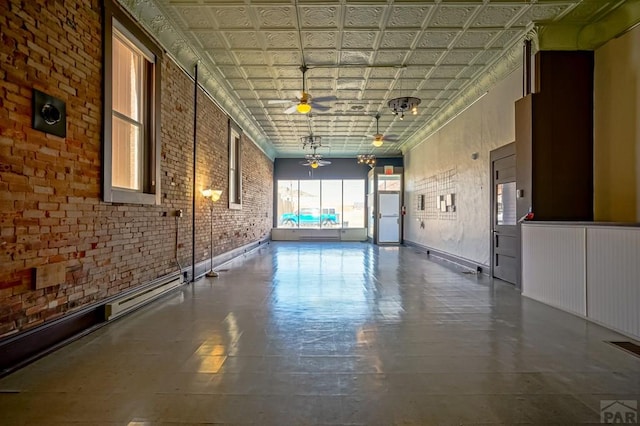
326 333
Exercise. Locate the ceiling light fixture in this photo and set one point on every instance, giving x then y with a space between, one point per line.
377 142
303 107
403 104
311 141
368 159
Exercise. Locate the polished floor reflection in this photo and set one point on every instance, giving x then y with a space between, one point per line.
329 333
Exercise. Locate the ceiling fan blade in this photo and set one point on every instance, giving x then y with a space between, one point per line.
323 162
324 98
279 101
318 107
291 109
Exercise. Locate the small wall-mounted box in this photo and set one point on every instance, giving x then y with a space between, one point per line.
49 275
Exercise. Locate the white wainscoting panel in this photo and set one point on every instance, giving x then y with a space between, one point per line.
553 266
613 268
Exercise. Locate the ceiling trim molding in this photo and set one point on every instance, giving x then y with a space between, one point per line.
175 43
503 66
590 36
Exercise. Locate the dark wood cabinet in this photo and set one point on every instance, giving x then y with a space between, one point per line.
554 139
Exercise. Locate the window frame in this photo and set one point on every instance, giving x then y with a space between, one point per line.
116 17
235 167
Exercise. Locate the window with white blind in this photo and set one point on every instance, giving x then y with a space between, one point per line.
132 93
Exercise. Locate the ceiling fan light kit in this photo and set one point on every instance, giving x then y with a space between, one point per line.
403 104
303 107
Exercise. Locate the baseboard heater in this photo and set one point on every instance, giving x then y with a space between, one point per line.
135 299
319 238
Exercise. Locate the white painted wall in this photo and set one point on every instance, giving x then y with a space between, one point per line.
483 127
617 129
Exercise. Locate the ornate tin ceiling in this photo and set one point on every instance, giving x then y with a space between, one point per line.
447 53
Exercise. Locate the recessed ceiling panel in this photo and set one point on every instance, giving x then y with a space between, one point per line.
398 39
319 39
407 16
425 57
437 39
242 39
496 16
451 16
475 39
319 16
276 16
281 39
232 17
355 57
359 39
365 16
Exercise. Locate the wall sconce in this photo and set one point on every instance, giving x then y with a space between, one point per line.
213 195
49 114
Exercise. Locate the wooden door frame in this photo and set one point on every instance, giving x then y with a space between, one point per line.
497 154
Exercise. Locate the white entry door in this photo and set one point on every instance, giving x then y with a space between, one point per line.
388 217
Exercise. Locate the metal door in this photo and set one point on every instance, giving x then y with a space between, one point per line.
389 217
503 217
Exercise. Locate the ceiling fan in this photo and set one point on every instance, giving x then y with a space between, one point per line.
305 102
314 160
379 138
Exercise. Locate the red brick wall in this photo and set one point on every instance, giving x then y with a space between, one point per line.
50 206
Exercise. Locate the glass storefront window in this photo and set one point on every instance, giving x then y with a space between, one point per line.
321 203
353 204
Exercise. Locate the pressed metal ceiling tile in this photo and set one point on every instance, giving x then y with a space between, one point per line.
505 39
361 51
541 13
209 39
380 83
475 38
447 71
408 16
257 71
398 39
281 39
390 57
435 39
319 39
261 84
359 39
220 57
451 16
459 57
320 83
363 16
232 17
276 16
492 16
195 17
250 57
350 57
319 16
320 56
242 39
425 57
284 57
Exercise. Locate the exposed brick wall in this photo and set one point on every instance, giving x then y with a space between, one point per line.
50 206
